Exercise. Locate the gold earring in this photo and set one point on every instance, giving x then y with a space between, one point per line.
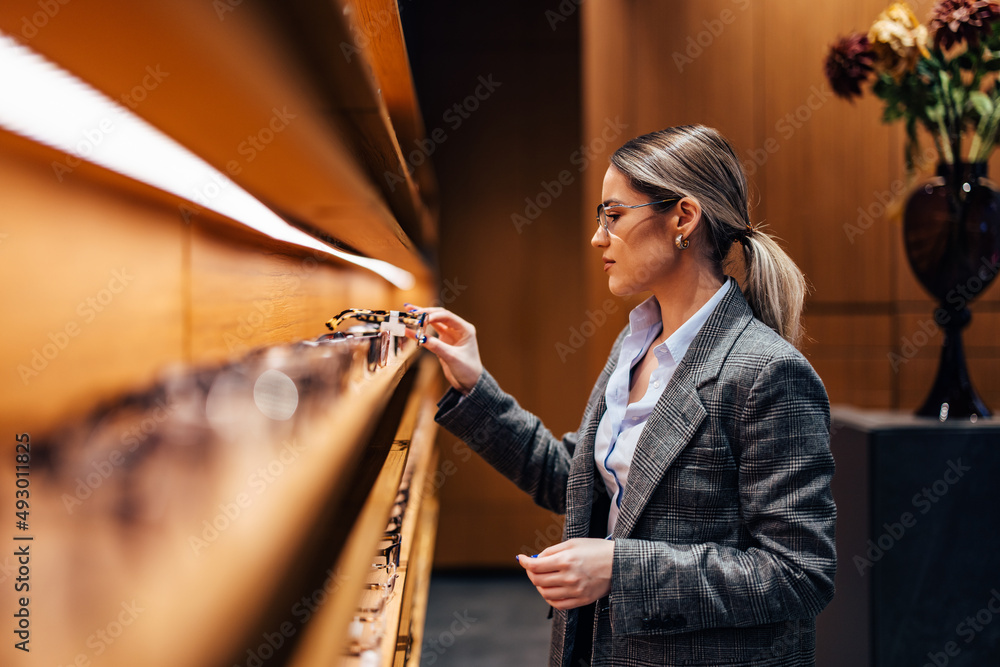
681 242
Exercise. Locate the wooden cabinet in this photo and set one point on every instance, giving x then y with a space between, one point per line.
915 529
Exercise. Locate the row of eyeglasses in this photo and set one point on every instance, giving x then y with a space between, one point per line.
367 630
194 420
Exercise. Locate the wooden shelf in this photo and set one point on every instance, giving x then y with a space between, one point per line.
250 557
324 640
417 542
357 53
234 533
231 87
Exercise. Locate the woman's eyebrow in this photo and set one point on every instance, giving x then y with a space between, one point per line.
612 202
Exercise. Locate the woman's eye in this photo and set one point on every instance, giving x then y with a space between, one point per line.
611 216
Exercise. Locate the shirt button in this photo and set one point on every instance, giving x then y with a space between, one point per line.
656 385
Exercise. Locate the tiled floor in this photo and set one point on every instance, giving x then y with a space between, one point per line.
485 620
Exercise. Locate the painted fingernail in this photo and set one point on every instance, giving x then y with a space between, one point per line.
517 558
535 556
422 340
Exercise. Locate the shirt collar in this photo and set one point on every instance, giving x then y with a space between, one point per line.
647 314
644 316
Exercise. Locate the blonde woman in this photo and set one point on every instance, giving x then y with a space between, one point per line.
699 519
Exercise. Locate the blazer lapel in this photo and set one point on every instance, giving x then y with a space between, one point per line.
674 421
582 472
680 412
581 483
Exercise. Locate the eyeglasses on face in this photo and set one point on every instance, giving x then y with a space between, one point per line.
602 215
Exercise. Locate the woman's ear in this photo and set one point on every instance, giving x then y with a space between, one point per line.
688 212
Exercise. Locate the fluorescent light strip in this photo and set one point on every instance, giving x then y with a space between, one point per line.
47 104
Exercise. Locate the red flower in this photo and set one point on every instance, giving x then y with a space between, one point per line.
850 62
956 21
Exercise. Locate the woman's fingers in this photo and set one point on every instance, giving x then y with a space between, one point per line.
447 324
535 565
444 351
445 318
556 548
455 347
561 588
571 573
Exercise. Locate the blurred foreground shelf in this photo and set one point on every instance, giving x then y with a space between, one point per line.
210 485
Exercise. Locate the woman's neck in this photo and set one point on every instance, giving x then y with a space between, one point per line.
683 297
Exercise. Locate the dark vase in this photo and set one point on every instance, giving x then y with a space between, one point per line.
951 230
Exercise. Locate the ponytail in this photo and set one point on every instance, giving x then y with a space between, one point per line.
773 285
697 161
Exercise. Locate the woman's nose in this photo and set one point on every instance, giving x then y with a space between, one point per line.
600 238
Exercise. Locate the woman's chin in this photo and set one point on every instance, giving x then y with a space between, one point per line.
621 287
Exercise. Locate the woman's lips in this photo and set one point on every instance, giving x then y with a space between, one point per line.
607 264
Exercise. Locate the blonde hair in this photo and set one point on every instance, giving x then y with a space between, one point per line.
696 161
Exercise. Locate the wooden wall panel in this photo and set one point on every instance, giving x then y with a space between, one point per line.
693 63
852 352
830 159
609 100
240 301
511 253
489 520
92 294
829 175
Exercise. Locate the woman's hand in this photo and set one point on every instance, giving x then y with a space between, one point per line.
455 347
573 573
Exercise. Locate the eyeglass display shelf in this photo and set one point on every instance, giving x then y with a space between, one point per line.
325 638
242 584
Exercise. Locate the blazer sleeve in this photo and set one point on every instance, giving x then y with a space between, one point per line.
511 439
514 441
786 505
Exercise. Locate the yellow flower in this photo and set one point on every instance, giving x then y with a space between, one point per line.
898 40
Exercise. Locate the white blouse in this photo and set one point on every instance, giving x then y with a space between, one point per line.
622 423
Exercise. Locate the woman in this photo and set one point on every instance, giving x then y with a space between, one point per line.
699 519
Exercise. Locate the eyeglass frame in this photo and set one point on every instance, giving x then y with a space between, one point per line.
379 342
377 596
369 633
370 316
601 208
387 553
390 323
379 578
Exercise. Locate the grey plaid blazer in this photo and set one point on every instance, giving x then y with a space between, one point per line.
724 548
